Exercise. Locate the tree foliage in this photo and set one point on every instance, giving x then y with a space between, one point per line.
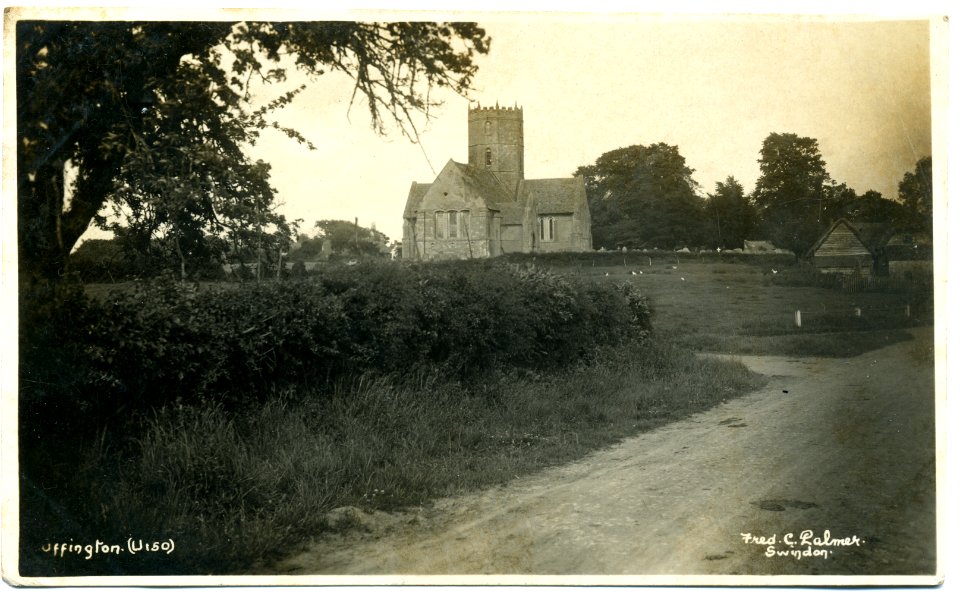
793 192
872 207
191 193
350 238
643 196
150 117
916 193
728 215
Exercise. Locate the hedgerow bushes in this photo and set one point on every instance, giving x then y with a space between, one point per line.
164 342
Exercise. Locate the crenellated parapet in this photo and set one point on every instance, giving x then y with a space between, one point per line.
496 111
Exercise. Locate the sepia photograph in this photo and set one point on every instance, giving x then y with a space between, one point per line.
386 297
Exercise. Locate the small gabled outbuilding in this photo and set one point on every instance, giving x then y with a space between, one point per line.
909 255
851 248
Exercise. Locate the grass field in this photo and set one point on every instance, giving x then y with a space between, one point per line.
738 308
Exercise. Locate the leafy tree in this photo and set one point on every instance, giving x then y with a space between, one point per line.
872 207
350 238
307 248
188 184
792 195
728 214
643 196
916 193
105 107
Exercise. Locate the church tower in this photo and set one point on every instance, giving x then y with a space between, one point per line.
495 142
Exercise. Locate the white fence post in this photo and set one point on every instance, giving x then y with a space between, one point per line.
796 318
908 310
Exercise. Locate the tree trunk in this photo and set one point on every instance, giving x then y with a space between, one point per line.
46 232
42 253
183 261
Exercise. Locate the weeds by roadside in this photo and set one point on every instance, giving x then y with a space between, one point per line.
236 488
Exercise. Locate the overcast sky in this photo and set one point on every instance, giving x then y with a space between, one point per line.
589 84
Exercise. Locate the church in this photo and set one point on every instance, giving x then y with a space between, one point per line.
486 207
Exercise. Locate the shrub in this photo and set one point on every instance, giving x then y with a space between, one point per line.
298 270
165 342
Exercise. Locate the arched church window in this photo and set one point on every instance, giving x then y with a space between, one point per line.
488 157
453 225
440 225
548 228
488 128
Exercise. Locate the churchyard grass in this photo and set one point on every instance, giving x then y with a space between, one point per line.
743 309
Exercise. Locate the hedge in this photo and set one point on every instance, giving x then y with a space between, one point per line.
164 342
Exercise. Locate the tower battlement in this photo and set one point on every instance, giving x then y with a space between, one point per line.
480 110
495 141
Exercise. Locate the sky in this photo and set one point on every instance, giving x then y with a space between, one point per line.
590 83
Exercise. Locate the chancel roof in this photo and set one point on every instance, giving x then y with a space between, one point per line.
553 196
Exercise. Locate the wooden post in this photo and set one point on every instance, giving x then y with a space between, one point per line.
796 318
908 310
649 261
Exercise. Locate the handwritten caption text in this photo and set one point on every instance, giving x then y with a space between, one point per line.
133 546
806 545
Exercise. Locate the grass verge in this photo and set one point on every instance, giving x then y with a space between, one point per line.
809 344
238 489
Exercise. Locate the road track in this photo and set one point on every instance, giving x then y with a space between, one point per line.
839 445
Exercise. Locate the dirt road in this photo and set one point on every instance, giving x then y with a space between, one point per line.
839 445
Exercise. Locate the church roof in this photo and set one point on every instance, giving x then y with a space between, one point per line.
482 182
553 196
533 196
417 192
474 182
511 213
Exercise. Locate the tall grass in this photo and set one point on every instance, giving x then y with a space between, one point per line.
236 489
